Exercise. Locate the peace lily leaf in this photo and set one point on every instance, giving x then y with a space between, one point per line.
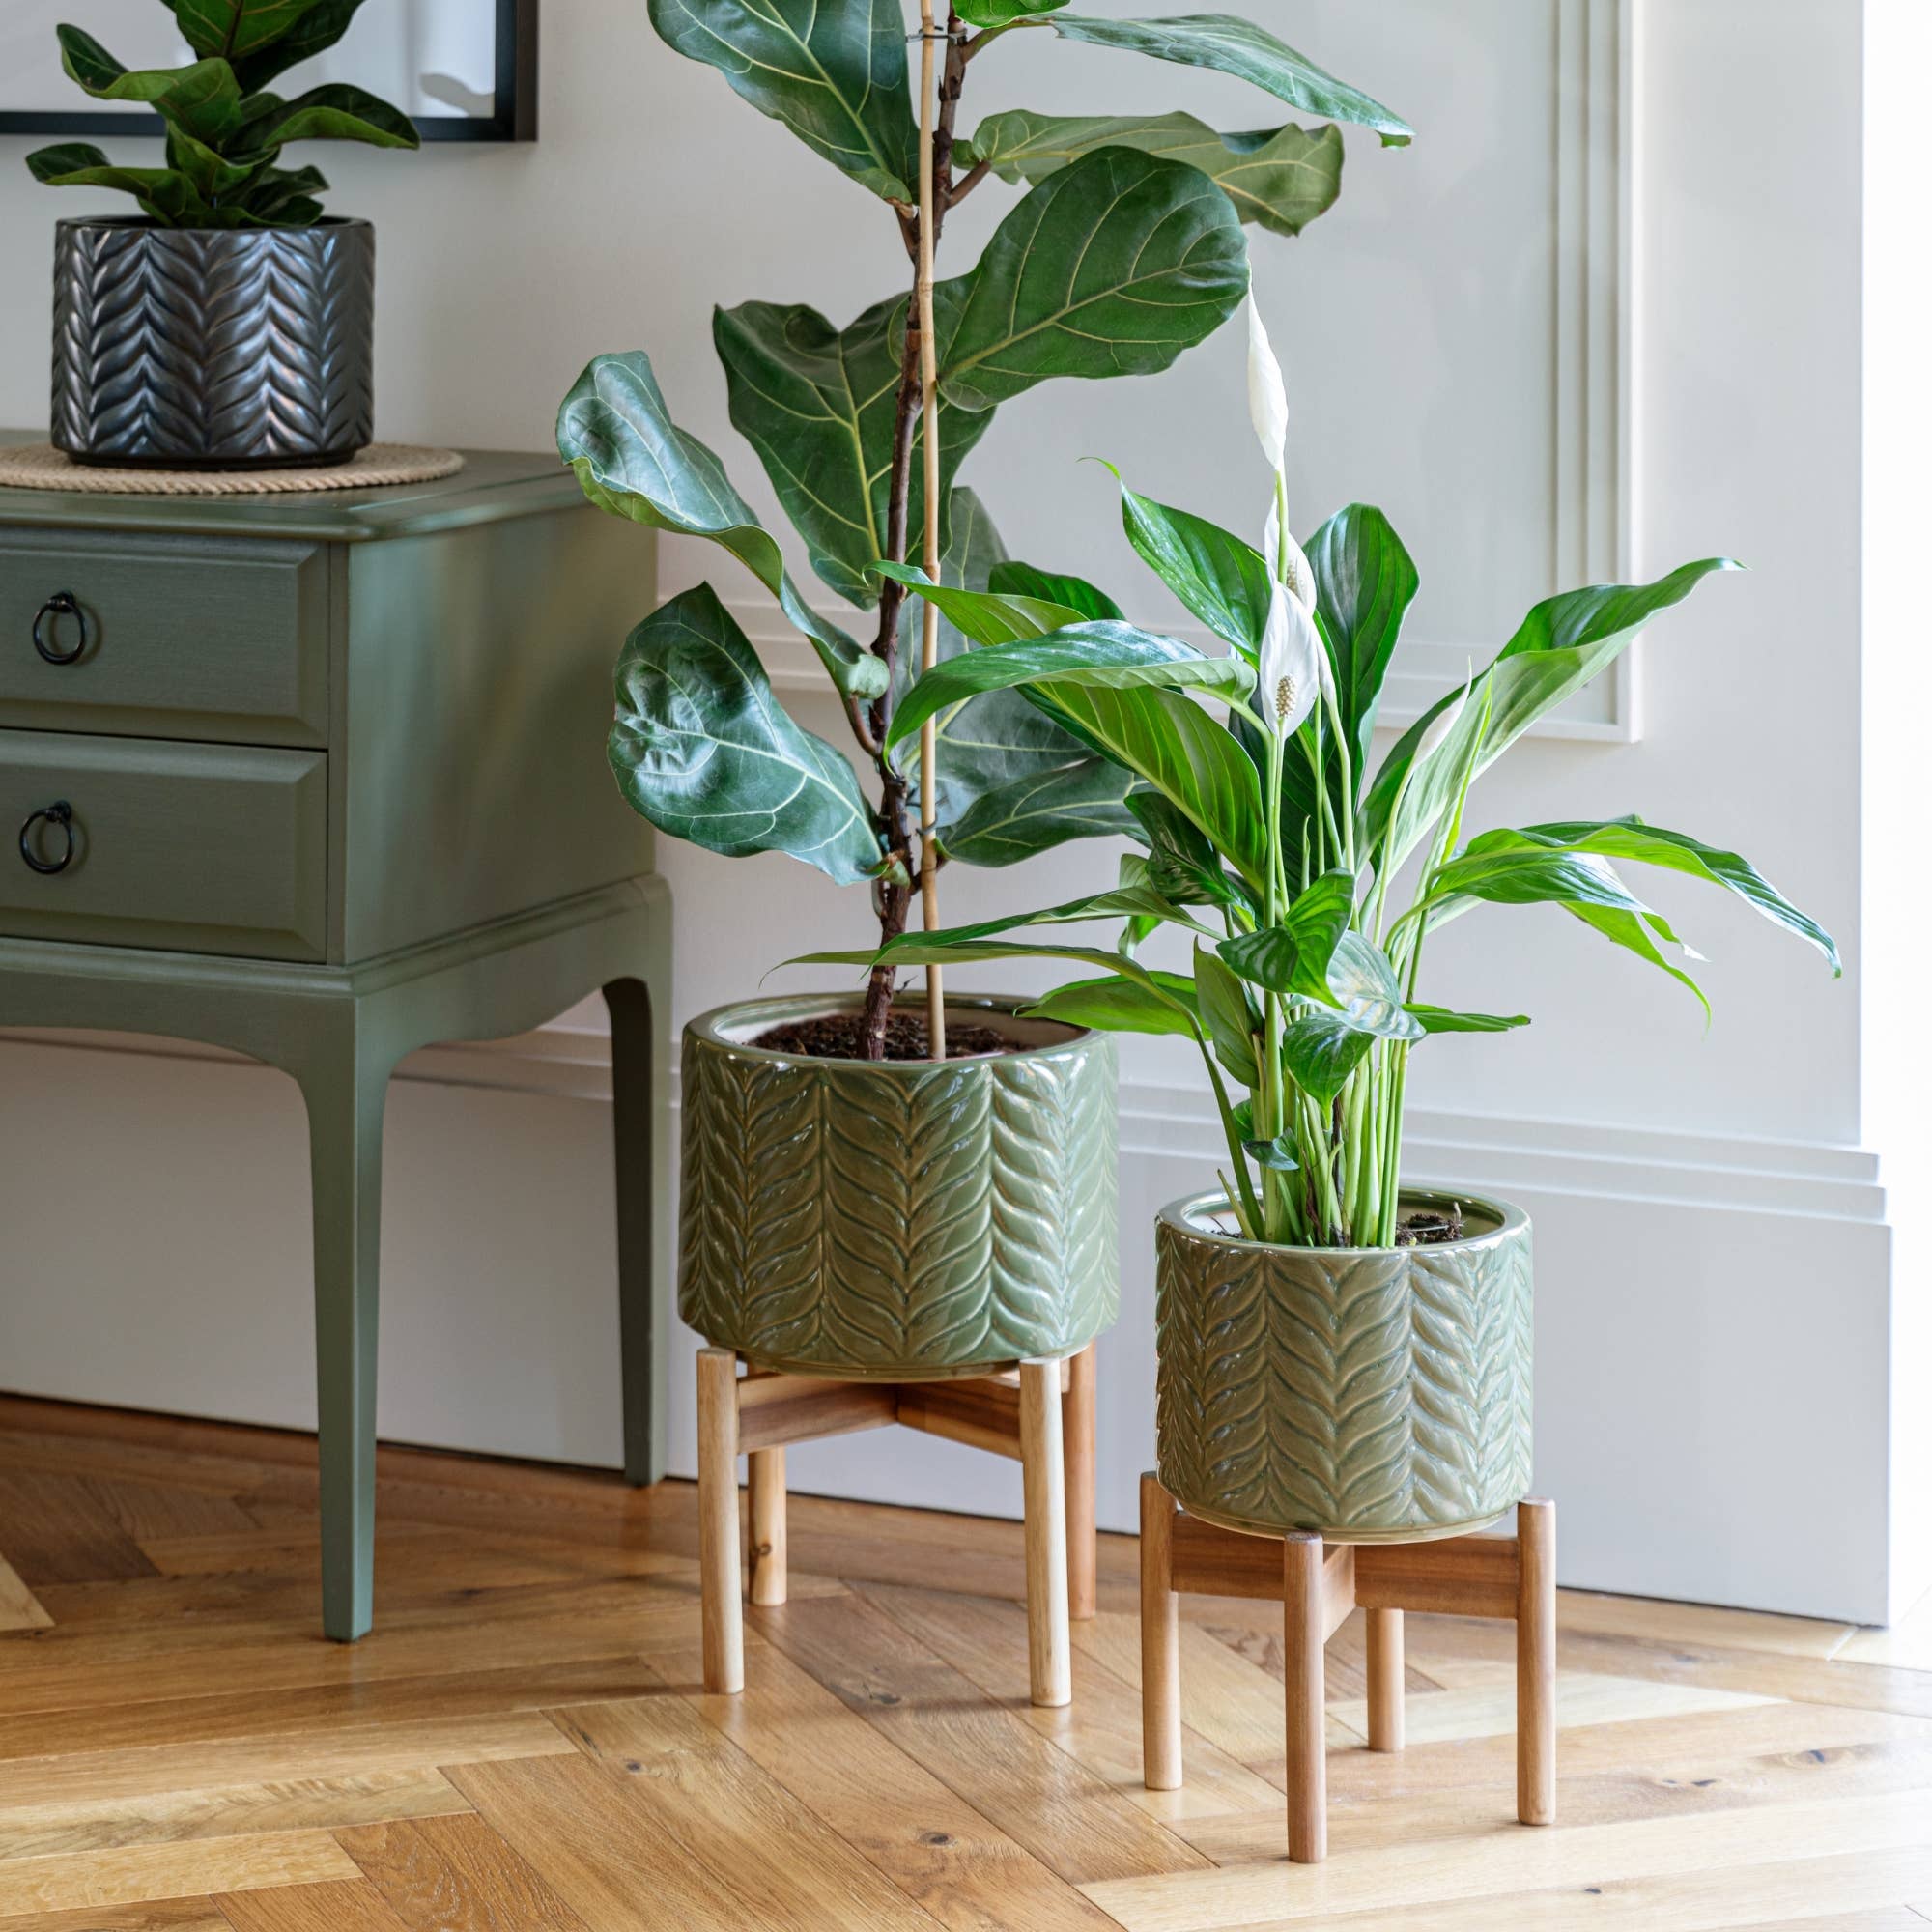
1230 45
1180 751
1181 863
1563 644
1634 933
631 459
835 75
1223 581
1293 958
1321 1050
1090 655
1227 1014
1277 1153
1132 897
165 194
1632 838
334 113
1111 266
1022 580
1114 1005
1505 873
1439 1019
818 404
984 616
1364 583
1367 994
703 748
1033 814
998 739
1281 178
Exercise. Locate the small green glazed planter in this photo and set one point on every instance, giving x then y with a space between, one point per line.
897 1220
1377 1394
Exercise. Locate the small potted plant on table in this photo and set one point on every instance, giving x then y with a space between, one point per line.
1342 1361
875 1192
229 326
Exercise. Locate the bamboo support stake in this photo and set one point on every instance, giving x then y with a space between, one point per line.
928 656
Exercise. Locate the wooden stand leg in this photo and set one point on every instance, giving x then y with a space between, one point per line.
1302 1612
1385 1673
1042 1466
1536 1662
1160 1641
1083 1547
718 1519
767 1468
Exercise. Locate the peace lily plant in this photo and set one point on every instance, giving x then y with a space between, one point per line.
1267 844
1125 249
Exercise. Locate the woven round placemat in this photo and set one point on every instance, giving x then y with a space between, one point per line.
40 465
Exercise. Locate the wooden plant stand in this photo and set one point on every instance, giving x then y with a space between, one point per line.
1039 1413
1507 1576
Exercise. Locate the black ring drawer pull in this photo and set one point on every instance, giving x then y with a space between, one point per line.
60 813
61 603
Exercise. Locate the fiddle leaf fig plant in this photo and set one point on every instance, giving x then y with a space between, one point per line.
225 130
1277 859
1125 249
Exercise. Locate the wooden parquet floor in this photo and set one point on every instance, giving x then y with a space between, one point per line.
521 1744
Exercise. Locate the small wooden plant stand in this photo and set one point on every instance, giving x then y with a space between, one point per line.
1039 1413
1513 1577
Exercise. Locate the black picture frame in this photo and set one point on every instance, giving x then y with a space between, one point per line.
515 118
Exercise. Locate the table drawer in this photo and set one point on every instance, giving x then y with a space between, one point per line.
196 637
195 848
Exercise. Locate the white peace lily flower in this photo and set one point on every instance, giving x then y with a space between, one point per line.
1288 560
1267 393
1293 666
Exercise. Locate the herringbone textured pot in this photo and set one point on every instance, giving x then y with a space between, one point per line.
1373 1394
213 348
903 1218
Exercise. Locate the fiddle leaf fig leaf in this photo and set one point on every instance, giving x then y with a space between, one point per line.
631 459
332 113
1279 178
1002 12
315 29
703 748
835 75
1229 44
818 404
235 29
164 194
1111 266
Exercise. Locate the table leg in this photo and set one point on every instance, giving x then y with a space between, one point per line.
345 1094
633 1106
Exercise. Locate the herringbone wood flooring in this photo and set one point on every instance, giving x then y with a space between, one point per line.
521 1744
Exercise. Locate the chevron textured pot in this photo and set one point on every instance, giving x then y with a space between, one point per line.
213 348
1373 1394
899 1219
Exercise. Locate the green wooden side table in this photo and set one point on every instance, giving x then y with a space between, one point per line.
320 778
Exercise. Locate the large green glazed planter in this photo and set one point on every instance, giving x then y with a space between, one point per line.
1372 1394
903 1220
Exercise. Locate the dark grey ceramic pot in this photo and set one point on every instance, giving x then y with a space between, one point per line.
1378 1395
897 1220
213 348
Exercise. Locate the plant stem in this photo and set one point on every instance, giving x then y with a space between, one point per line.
928 656
917 397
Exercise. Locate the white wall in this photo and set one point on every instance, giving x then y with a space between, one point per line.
1715 1275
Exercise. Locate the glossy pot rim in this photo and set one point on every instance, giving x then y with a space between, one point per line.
148 225
1511 1223
1056 1039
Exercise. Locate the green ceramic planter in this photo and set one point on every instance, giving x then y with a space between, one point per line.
897 1220
1375 1395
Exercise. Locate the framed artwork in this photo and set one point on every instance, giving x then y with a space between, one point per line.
464 70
